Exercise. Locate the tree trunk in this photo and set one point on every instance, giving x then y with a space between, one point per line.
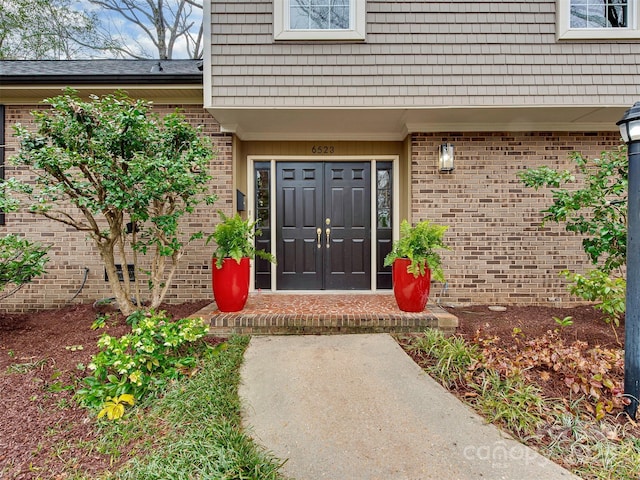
124 302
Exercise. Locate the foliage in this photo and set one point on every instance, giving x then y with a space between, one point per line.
143 361
462 366
198 428
234 238
114 407
510 400
123 169
594 373
599 287
452 355
47 30
605 450
20 260
27 367
564 322
420 244
576 431
597 210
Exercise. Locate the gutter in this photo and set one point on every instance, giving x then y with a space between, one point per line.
159 79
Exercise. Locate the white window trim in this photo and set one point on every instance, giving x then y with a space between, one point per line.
564 32
281 29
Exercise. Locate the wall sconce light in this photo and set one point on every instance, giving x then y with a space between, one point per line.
445 157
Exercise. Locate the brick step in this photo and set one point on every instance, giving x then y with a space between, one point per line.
283 324
285 314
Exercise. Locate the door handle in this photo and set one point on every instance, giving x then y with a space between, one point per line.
328 232
319 233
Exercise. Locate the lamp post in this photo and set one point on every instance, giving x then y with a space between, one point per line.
630 131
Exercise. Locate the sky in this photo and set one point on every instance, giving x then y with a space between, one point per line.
133 35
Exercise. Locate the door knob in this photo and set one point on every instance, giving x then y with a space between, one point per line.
328 232
319 233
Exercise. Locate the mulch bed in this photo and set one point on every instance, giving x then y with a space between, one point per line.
41 426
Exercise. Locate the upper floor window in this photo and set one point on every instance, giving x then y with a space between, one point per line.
598 19
319 19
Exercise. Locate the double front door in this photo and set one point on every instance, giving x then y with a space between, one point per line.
323 225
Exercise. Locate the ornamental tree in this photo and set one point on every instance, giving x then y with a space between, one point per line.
112 168
597 210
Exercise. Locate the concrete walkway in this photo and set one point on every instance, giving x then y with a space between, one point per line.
351 407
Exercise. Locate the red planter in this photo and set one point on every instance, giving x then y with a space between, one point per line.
231 284
411 293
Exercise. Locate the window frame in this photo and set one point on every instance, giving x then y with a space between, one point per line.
565 32
356 32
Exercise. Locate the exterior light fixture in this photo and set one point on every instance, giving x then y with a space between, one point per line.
445 157
630 124
630 131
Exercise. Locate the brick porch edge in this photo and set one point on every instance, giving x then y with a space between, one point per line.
293 314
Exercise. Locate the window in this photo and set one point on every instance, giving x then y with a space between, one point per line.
384 229
262 204
319 19
597 19
319 15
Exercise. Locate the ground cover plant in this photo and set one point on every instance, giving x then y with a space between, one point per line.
145 360
191 430
555 384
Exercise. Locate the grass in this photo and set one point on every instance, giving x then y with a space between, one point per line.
194 431
452 356
511 402
26 367
598 450
590 448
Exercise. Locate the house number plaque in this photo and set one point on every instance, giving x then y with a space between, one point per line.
323 149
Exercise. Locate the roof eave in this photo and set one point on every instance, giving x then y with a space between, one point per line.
160 79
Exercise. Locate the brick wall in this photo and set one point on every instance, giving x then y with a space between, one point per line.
500 254
73 252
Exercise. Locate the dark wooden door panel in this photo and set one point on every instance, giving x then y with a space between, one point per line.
348 206
316 195
299 191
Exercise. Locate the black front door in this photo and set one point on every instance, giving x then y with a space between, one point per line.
323 225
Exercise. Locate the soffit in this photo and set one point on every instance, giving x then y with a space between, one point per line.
34 94
396 123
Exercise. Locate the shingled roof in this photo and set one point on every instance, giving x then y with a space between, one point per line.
100 71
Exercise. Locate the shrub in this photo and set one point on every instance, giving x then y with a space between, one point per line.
597 286
20 261
114 170
154 353
597 210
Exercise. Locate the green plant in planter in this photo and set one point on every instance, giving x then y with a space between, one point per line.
234 239
419 244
